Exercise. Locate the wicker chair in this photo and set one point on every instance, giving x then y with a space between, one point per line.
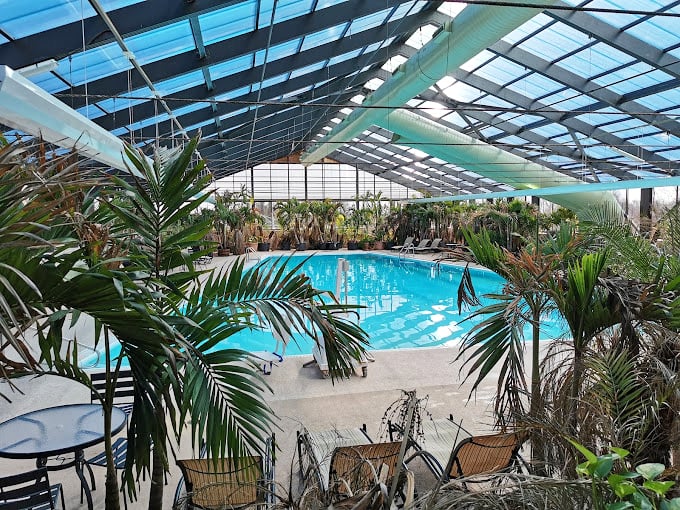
223 483
347 463
449 457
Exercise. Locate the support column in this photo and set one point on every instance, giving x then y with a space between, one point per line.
645 210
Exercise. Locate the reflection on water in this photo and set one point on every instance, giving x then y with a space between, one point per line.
407 303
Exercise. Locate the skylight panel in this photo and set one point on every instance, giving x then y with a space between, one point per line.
568 100
434 109
604 116
393 63
236 19
550 130
445 82
405 9
277 51
662 100
598 59
115 104
417 153
358 99
241 91
21 19
345 56
373 83
369 21
478 60
379 138
526 29
93 64
555 41
525 120
535 85
49 82
335 120
323 36
615 19
163 42
268 82
451 9
90 111
501 70
291 95
323 4
512 140
490 131
421 36
307 69
661 32
641 82
285 10
346 111
455 119
462 92
232 66
181 82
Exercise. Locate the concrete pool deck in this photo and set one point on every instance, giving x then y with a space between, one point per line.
300 397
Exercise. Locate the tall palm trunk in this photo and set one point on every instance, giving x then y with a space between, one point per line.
157 473
535 411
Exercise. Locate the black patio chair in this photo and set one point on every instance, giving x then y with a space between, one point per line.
30 490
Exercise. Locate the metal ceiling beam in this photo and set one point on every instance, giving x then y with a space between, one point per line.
466 182
550 147
612 36
67 39
223 51
147 110
586 87
554 116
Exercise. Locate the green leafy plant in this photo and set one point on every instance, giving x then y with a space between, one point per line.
639 489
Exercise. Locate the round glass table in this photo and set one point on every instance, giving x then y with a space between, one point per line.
57 430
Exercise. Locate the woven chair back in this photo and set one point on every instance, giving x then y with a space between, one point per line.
359 465
223 485
483 454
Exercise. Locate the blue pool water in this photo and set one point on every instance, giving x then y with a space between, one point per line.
407 303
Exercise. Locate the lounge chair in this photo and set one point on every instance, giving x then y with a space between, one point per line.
449 457
408 242
347 463
421 246
213 484
321 360
432 247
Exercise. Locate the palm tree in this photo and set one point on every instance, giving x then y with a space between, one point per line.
223 401
168 326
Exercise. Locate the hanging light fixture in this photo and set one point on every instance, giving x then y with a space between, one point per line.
26 107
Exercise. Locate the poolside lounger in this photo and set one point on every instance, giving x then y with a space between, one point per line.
347 462
408 242
422 245
432 247
321 360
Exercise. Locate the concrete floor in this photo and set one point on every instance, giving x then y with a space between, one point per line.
300 397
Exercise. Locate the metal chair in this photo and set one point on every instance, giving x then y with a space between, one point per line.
30 490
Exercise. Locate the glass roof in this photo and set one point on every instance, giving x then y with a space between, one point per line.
583 92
